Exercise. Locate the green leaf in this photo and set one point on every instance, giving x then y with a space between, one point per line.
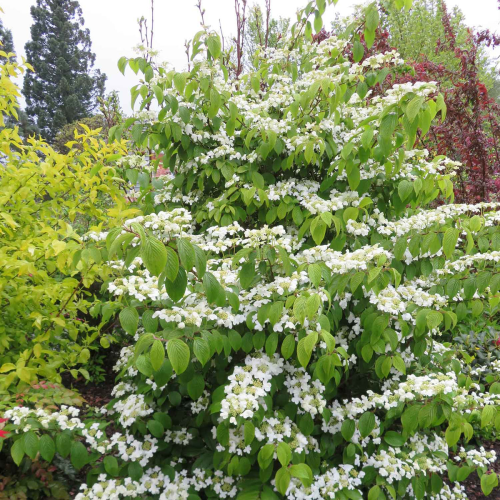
247 274
405 189
201 350
200 261
122 64
357 51
356 280
150 324
318 231
177 288
354 177
288 346
305 347
318 21
129 320
282 479
196 386
63 444
372 17
156 428
31 445
213 290
135 471
271 344
79 455
399 364
413 108
452 435
434 319
366 423
314 272
394 438
157 354
180 82
186 253
347 429
17 451
154 255
178 354
373 273
374 493
449 241
214 45
409 419
111 465
248 432
302 472
172 265
487 416
284 453
47 447
265 456
488 482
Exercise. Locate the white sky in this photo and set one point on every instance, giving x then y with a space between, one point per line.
114 31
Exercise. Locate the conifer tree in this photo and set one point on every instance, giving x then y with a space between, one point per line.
25 124
6 39
64 87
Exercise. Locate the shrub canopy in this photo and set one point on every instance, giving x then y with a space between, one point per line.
292 289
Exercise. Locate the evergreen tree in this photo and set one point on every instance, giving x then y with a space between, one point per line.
26 126
6 39
63 88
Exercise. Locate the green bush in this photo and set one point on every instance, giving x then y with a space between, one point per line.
50 269
290 303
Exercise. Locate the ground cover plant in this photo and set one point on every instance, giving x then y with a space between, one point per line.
289 295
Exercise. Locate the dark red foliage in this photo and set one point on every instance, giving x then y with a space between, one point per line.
471 132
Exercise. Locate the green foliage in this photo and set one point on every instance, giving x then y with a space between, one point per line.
416 32
343 325
49 270
290 301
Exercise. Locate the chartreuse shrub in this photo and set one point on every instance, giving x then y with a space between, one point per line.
291 293
49 272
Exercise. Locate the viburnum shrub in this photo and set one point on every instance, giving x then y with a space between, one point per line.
290 302
49 269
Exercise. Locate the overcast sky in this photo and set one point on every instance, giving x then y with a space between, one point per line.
114 31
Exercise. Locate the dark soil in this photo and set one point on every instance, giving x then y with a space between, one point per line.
95 394
473 483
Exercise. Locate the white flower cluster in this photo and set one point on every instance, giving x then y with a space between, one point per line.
165 225
134 450
141 286
66 418
277 429
306 394
425 219
136 162
248 385
396 300
326 485
201 404
153 482
342 263
169 194
131 408
481 457
181 436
